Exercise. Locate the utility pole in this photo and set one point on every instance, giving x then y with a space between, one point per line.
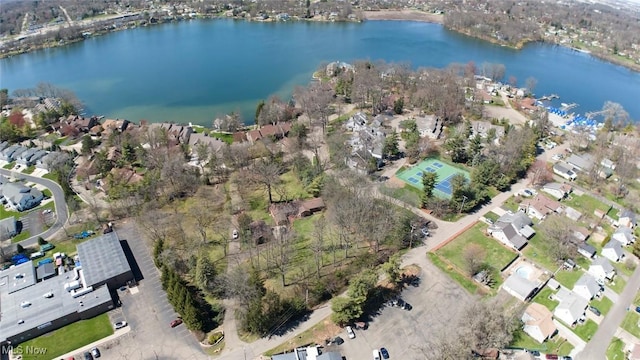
464 198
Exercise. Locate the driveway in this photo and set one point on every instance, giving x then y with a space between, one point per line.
148 313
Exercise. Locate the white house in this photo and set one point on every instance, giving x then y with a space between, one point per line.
613 251
557 190
624 236
587 286
582 162
357 122
513 230
541 206
586 250
20 197
538 322
571 307
628 219
564 172
602 269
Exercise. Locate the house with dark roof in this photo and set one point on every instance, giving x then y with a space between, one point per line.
564 171
586 250
627 219
8 228
512 229
582 162
285 213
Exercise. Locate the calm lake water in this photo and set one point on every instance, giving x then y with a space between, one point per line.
193 71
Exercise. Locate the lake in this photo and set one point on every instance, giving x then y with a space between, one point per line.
192 71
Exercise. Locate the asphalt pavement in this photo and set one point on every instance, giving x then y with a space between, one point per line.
62 212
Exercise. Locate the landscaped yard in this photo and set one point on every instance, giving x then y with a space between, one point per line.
604 304
24 234
495 254
631 322
618 284
568 278
537 250
543 298
511 204
69 338
615 351
461 279
586 330
586 204
557 345
624 269
10 165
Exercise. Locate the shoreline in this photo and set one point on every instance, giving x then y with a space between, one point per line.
404 15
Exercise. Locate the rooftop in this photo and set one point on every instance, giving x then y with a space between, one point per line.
106 257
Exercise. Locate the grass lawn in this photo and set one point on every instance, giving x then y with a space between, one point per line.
543 298
615 351
511 204
496 255
462 280
618 284
568 278
406 194
228 138
586 330
603 304
586 204
50 176
47 193
622 268
315 335
492 216
70 337
8 213
631 323
29 169
24 234
537 250
556 345
10 165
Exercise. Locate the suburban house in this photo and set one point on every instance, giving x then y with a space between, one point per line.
582 162
540 206
602 269
47 161
538 322
429 126
557 190
21 197
624 236
356 122
285 213
519 287
8 228
571 308
627 219
608 164
25 157
586 250
177 134
197 139
481 128
613 251
587 286
10 153
581 233
513 230
564 172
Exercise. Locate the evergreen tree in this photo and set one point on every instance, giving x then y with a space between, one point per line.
429 180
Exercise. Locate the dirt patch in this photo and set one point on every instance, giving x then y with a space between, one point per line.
395 183
410 15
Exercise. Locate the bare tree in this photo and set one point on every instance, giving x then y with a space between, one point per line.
267 174
556 229
474 256
317 246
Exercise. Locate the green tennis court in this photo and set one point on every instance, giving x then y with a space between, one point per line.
445 172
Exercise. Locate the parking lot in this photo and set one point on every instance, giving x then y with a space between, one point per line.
148 313
437 303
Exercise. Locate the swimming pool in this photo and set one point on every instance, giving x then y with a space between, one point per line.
524 272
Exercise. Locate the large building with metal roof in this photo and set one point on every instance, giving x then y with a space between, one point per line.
29 308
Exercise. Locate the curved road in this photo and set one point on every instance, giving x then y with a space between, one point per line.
62 212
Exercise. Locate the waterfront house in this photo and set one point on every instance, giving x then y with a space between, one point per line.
587 286
538 322
624 236
564 172
571 308
613 251
602 269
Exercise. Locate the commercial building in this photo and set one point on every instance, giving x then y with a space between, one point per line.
30 308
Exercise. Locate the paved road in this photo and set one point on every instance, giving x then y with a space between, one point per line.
597 347
58 197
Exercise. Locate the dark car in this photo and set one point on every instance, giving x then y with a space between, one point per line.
176 322
535 353
384 353
407 306
87 356
338 340
551 357
594 310
638 309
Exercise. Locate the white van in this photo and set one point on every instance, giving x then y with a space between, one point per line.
376 354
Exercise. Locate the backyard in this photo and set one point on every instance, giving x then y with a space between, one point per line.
537 250
69 338
555 345
568 278
495 254
543 298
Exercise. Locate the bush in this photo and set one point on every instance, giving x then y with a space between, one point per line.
213 338
41 241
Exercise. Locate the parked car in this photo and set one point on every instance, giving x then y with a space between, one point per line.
88 356
594 310
120 325
638 309
407 306
235 234
338 340
425 231
176 322
95 352
384 353
350 333
376 354
551 357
